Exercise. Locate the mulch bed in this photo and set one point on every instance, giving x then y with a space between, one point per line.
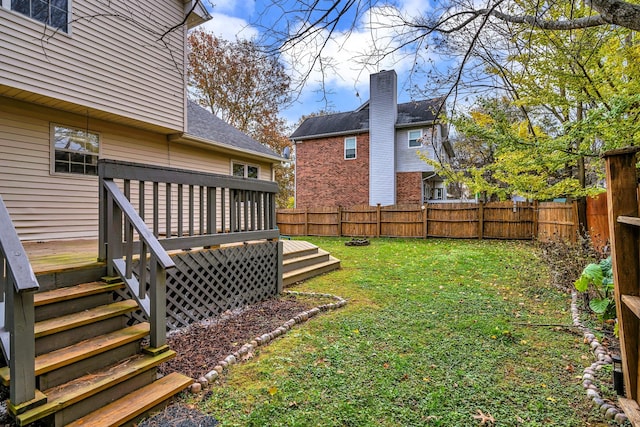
201 346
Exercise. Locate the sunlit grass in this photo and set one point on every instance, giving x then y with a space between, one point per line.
435 331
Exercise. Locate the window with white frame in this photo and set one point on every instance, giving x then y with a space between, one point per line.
54 13
244 170
415 138
74 150
350 147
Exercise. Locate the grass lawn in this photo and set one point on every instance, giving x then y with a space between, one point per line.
435 333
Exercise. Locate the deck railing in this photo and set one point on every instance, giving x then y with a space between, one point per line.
17 286
176 209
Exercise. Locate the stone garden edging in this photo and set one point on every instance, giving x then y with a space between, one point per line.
610 411
263 339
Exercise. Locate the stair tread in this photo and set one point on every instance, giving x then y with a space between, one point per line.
135 403
72 292
332 261
74 320
83 350
88 385
320 254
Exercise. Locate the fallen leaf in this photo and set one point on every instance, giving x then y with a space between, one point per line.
485 419
569 368
273 390
385 366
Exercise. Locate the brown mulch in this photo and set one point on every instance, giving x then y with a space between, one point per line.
201 346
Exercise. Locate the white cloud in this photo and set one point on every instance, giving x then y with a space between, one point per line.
345 61
229 27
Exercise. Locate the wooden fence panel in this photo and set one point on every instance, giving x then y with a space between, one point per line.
557 221
402 221
453 220
508 220
495 220
291 222
359 221
323 222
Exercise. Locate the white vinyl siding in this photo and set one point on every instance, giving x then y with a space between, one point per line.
107 64
407 159
46 206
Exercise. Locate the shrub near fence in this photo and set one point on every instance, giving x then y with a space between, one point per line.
495 220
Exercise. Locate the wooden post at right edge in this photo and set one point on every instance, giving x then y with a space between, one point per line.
622 201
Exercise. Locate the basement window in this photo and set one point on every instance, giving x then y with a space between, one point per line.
54 13
75 150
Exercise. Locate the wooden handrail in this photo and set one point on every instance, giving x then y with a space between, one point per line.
15 256
17 286
141 228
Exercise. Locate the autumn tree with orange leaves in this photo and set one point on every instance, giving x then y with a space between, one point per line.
246 88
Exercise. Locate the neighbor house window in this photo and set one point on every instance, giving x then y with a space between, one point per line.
75 150
245 171
415 138
54 13
350 147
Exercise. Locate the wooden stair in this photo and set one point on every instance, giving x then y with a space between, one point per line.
90 363
303 260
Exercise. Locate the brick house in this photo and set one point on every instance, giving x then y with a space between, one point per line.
370 155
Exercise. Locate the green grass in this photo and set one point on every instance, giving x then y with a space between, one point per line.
435 331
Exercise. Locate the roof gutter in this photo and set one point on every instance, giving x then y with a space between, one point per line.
327 135
416 124
207 144
359 131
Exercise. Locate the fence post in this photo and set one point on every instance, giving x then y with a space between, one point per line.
480 220
576 221
306 221
378 220
536 216
622 201
339 221
425 216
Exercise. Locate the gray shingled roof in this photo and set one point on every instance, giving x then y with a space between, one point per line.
202 124
358 121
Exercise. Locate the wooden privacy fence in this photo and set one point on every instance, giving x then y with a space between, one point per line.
495 220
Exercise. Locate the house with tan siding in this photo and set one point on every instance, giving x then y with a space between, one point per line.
93 79
371 155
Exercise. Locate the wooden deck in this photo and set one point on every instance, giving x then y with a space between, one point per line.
62 254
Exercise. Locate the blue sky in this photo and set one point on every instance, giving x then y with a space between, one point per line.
347 84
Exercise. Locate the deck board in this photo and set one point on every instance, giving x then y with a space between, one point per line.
57 255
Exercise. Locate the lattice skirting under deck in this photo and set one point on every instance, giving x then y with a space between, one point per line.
206 283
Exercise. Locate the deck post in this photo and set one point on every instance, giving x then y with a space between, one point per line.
622 201
20 312
280 269
158 309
